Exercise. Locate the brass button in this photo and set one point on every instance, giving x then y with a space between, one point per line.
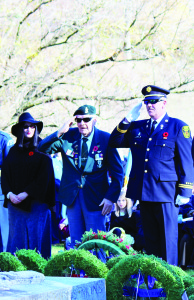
150 139
146 159
145 171
164 145
148 149
80 186
135 143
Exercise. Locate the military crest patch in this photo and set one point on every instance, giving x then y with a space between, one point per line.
186 131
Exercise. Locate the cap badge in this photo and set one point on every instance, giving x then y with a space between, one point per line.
149 89
86 110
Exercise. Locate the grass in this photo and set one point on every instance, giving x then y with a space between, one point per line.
56 248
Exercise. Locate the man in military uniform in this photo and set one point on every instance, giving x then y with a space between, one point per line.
6 143
162 169
88 165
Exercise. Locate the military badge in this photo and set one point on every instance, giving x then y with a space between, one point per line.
99 159
76 158
186 131
138 136
86 110
69 153
149 89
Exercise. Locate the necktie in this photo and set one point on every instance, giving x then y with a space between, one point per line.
153 127
84 153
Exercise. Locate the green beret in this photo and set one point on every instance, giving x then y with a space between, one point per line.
85 110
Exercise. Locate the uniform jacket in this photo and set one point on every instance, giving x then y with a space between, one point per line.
162 164
6 142
102 161
30 171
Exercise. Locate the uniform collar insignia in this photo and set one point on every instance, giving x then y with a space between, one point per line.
138 136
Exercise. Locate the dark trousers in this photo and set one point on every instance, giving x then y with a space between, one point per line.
160 226
186 250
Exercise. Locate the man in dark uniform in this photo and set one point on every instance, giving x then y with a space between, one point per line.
162 170
88 165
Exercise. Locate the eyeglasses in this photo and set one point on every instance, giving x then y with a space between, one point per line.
85 120
27 126
152 101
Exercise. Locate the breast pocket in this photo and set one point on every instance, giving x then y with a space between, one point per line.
164 150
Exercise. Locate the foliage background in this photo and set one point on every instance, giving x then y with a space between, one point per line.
56 55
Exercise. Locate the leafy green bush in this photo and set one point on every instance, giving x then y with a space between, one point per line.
9 262
32 260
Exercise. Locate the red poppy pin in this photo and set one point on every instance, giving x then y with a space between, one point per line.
31 153
95 149
165 135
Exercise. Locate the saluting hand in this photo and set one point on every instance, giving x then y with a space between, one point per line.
66 126
134 113
107 206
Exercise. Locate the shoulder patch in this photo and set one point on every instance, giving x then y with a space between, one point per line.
186 132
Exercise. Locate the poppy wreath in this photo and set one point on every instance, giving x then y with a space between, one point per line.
147 265
107 241
80 259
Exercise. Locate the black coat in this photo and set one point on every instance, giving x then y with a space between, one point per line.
30 171
132 226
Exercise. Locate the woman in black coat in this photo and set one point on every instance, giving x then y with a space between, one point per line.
29 188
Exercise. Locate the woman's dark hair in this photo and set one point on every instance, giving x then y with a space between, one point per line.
20 137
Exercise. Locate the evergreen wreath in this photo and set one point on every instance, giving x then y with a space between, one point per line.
80 259
113 261
32 260
113 243
148 265
9 262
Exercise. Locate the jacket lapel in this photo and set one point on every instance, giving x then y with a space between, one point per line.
147 126
91 155
162 125
76 161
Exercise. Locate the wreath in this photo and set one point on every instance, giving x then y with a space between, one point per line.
79 259
9 262
32 260
122 246
113 261
147 265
